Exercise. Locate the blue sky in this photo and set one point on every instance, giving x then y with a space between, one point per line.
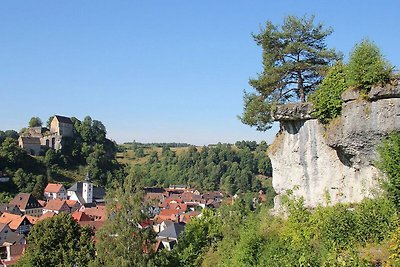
158 71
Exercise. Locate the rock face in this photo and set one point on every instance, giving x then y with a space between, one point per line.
333 164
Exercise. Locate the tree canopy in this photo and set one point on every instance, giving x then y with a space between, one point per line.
35 122
121 242
367 66
295 59
58 241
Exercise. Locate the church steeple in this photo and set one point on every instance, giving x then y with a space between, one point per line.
87 189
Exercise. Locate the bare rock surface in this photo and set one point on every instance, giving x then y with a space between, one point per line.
328 165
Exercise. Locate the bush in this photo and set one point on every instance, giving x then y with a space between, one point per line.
388 163
367 66
327 98
375 218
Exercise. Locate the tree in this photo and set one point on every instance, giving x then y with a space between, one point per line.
295 58
121 242
2 136
327 99
58 241
48 123
11 134
35 122
197 238
367 66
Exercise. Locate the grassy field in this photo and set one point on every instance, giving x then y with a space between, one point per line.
128 157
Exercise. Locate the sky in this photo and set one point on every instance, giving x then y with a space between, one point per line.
158 70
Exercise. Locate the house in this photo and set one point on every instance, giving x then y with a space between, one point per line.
97 213
10 209
56 206
5 231
18 224
10 253
214 195
176 206
80 216
168 237
32 220
28 204
55 191
73 205
85 193
46 215
186 217
168 214
30 144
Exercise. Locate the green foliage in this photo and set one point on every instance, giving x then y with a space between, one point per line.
375 218
256 112
5 197
89 147
121 242
394 259
367 66
219 167
199 235
58 241
327 100
327 236
11 134
295 58
139 152
388 163
48 123
35 122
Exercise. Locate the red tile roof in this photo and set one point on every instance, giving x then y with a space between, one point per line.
71 203
25 201
13 220
53 188
80 216
97 213
48 214
31 219
168 215
177 206
56 205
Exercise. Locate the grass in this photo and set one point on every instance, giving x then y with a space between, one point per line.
68 176
128 157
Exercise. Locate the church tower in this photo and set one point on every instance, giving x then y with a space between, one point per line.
87 190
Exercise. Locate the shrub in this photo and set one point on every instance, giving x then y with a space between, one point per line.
367 66
375 218
327 99
388 163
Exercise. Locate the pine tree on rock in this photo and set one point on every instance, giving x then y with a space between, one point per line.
295 59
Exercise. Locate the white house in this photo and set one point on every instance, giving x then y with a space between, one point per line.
55 191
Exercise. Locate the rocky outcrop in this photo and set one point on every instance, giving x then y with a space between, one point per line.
335 163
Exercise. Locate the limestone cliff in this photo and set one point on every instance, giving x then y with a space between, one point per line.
335 163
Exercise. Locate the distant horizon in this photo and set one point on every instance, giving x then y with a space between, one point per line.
273 129
158 71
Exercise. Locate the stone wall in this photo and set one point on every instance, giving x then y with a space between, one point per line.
335 163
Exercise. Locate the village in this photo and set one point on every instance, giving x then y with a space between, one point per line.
169 209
